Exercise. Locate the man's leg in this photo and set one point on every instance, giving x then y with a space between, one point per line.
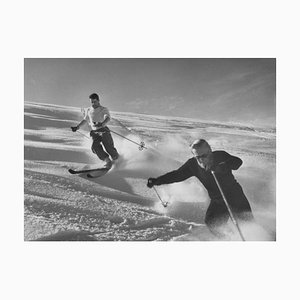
98 149
216 218
109 145
240 205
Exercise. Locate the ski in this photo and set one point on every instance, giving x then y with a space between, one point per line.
72 171
98 173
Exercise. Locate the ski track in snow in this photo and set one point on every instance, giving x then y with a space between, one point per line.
118 206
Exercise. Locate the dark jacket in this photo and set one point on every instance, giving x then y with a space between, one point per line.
192 168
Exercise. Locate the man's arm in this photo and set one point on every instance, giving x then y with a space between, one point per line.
234 162
81 123
75 128
181 174
227 162
103 124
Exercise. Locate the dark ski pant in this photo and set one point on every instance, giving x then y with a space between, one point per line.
105 139
217 213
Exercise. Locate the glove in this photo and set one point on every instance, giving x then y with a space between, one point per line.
151 182
98 124
74 128
93 133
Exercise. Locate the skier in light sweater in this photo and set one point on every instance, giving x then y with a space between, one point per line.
98 116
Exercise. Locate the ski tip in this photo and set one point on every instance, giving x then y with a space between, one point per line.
71 171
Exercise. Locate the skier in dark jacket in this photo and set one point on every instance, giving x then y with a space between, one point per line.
222 163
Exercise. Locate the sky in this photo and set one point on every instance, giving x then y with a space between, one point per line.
221 89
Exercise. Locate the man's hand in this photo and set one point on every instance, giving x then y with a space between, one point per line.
74 128
151 182
93 133
98 124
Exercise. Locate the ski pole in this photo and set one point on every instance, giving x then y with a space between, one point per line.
122 125
228 207
141 144
83 134
165 204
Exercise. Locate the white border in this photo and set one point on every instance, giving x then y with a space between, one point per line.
149 29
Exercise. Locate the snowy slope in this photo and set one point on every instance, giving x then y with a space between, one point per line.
119 206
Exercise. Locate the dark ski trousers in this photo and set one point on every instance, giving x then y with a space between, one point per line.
104 138
217 213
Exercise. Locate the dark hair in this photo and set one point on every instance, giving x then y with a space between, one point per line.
199 143
94 96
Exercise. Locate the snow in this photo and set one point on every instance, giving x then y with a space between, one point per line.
119 206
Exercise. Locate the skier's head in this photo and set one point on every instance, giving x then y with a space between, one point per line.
95 101
202 152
